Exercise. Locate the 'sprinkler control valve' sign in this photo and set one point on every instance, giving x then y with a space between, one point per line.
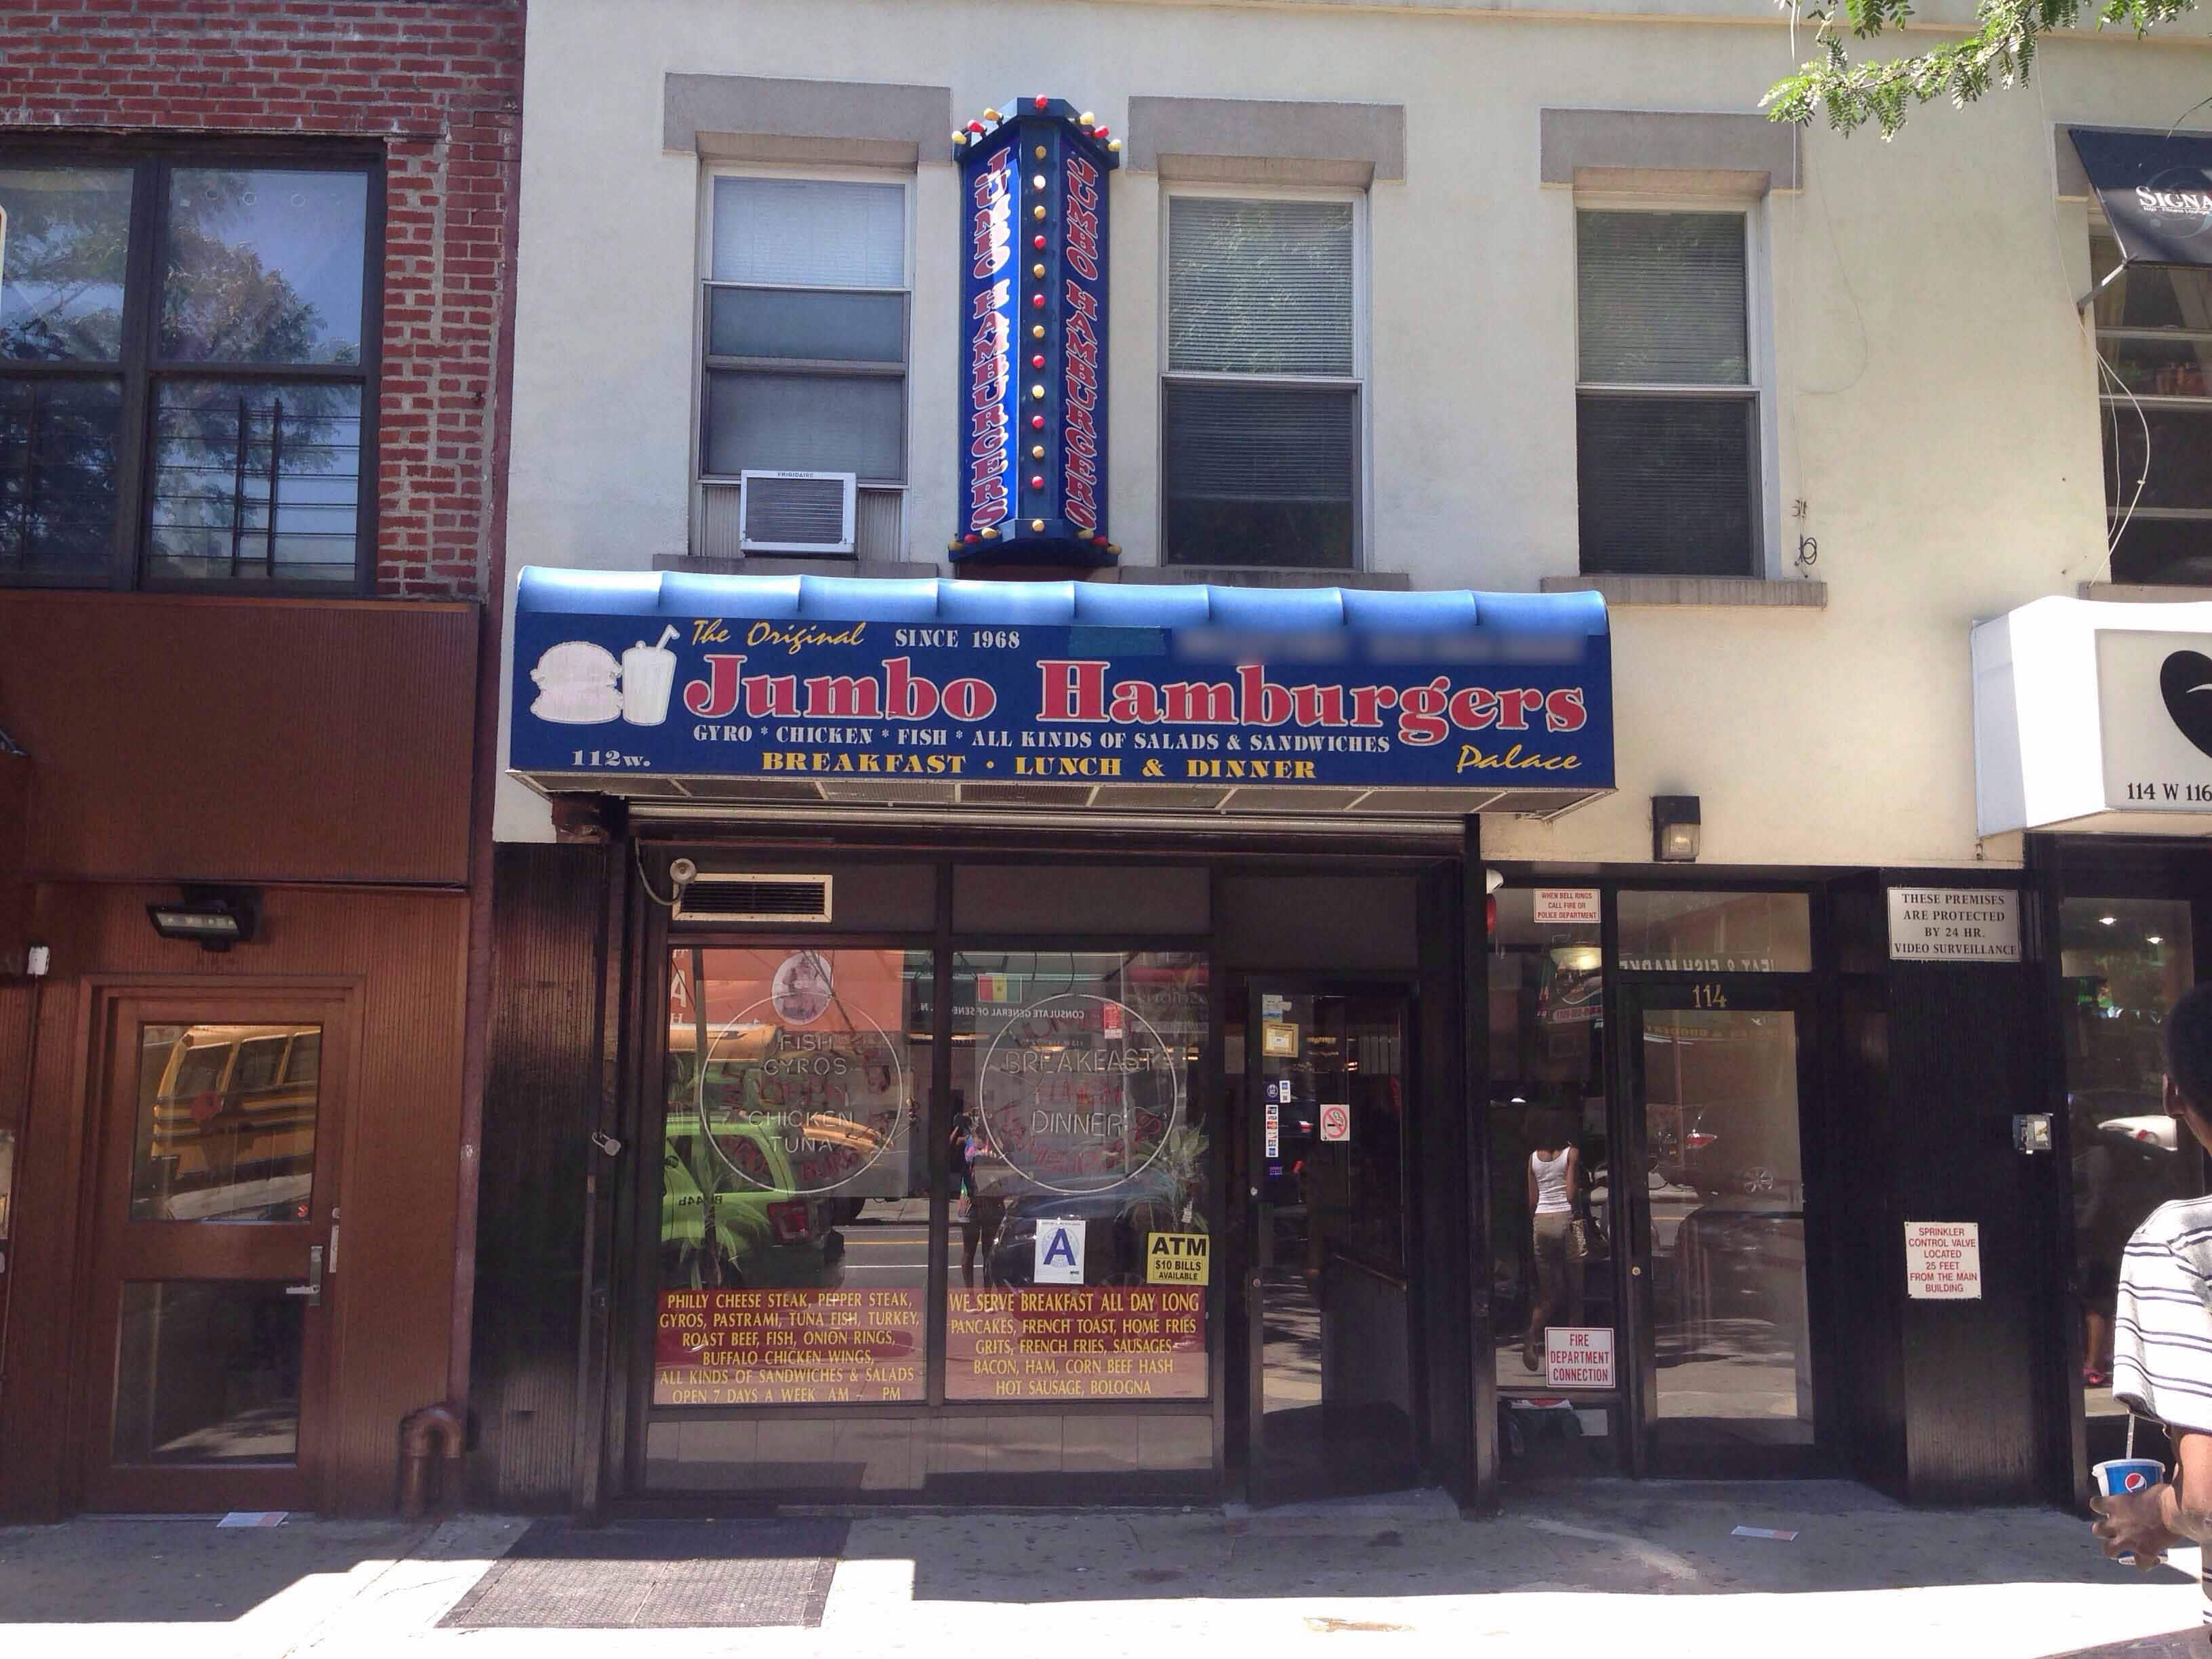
1033 246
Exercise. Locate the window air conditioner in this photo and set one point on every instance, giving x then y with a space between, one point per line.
795 512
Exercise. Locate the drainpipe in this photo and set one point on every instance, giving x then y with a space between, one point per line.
431 1427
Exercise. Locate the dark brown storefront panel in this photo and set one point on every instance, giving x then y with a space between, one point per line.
1041 898
403 955
1323 923
540 1101
189 737
1942 1402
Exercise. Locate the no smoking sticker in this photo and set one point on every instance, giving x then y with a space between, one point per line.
1336 1123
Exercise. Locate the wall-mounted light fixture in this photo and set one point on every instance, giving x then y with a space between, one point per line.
216 918
1674 829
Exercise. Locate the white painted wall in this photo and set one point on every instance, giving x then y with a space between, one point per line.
1933 393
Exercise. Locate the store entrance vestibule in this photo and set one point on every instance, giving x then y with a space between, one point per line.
1655 1183
1329 1312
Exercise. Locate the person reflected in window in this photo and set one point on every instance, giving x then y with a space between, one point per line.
2104 1217
1554 1179
983 1213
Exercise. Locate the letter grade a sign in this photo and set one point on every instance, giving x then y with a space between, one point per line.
1033 317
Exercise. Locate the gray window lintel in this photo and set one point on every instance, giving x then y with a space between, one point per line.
750 118
1267 141
1665 150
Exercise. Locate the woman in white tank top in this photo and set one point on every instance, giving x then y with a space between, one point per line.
1553 1176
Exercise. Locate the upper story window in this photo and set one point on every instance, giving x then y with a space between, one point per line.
1260 409
186 354
805 328
2154 335
1666 409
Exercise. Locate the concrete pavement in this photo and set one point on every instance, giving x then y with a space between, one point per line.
1568 1568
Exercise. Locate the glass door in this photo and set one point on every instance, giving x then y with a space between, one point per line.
1719 1269
2123 962
1329 1314
214 1265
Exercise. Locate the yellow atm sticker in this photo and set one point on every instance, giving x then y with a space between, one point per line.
1176 1258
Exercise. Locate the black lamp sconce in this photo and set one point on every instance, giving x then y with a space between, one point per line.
216 918
1674 829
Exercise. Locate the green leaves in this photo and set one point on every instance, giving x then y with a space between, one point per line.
1999 52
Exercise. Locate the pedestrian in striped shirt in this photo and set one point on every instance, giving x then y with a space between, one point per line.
2162 1328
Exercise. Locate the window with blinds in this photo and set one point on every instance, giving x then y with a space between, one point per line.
1667 427
1260 402
805 328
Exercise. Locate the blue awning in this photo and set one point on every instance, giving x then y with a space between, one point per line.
1099 605
1191 697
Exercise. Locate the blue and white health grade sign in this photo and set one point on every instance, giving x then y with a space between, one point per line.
729 696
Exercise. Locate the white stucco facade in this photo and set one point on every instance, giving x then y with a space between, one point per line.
1928 389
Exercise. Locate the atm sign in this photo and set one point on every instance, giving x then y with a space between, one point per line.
1176 1258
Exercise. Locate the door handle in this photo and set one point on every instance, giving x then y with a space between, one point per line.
312 1289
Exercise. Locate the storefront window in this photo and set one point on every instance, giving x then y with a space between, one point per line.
1082 1238
1673 932
1551 1256
794 1261
2124 962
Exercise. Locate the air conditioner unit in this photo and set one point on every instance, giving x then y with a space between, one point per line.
795 512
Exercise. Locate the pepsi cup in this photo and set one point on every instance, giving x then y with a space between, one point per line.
2127 1475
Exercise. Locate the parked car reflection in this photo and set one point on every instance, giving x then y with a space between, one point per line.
1115 1225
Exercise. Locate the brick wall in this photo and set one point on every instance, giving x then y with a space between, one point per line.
439 81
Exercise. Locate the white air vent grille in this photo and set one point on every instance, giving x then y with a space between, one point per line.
796 512
714 897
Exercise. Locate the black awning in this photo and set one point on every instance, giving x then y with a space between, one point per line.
2156 192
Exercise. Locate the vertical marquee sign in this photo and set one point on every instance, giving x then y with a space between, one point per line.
1033 262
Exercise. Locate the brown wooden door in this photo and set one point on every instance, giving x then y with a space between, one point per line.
216 1222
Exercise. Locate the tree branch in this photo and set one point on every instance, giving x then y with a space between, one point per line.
1999 52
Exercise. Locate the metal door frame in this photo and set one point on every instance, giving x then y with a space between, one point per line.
1404 990
1636 1355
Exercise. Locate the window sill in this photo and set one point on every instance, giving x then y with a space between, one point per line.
795 564
1257 576
1748 592
2143 592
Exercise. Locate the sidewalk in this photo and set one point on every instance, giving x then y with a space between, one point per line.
1573 1569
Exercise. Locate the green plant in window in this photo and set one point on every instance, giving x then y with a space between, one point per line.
1182 1159
697 1239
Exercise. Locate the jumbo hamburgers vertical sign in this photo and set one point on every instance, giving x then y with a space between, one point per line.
1033 321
